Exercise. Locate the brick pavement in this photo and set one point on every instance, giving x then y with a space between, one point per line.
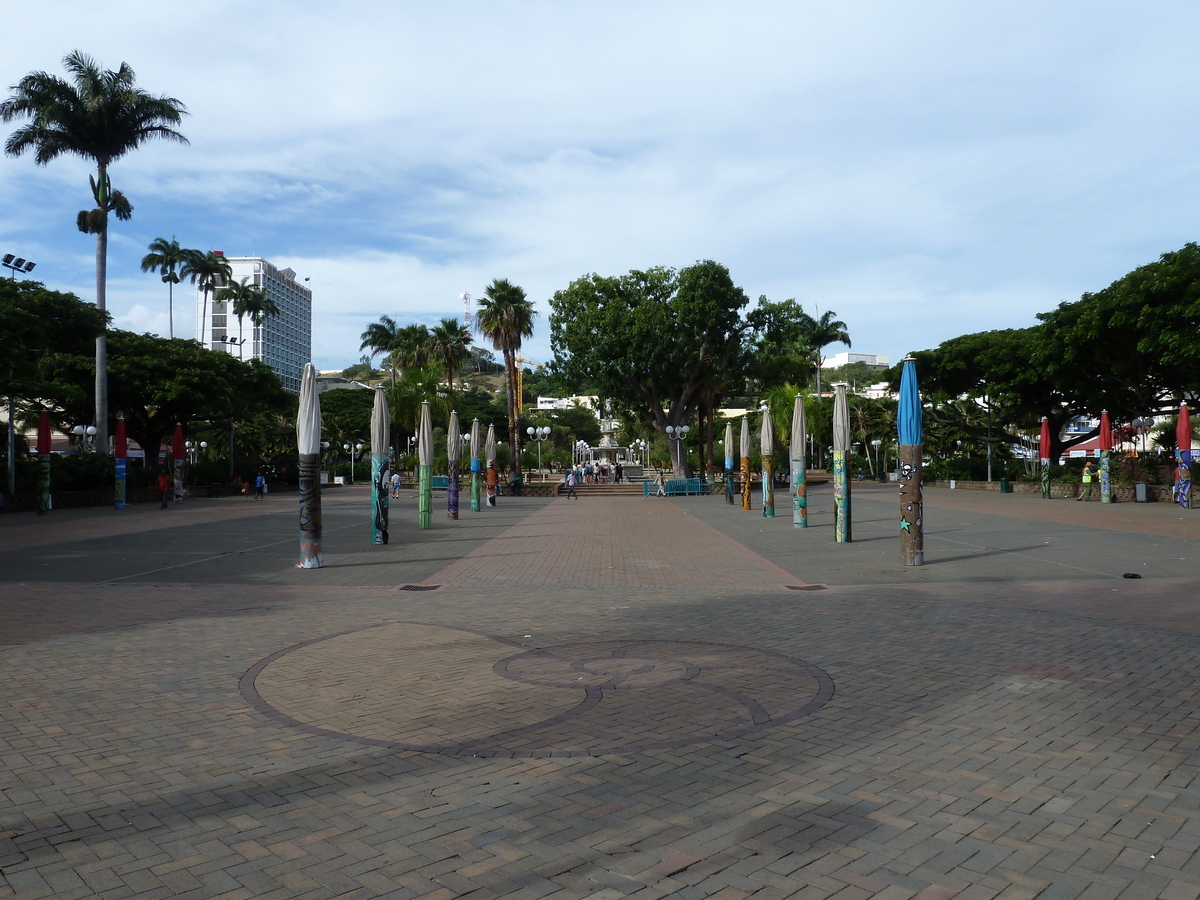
1014 737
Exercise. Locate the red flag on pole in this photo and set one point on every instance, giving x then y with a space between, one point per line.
1105 431
1044 440
43 439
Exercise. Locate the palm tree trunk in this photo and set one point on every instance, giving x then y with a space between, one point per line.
171 308
510 368
241 340
102 340
203 315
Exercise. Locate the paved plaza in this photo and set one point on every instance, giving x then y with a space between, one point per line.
606 698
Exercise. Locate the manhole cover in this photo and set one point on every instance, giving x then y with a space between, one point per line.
434 689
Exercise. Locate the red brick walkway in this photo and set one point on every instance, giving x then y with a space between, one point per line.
599 543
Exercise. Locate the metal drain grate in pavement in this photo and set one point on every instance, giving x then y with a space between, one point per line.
805 587
418 587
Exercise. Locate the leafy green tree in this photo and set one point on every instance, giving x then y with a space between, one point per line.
777 344
164 257
210 271
39 326
157 382
652 341
347 412
98 115
505 317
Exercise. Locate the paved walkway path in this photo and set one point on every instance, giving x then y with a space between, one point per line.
735 708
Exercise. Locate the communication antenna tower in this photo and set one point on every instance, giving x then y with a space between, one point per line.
466 299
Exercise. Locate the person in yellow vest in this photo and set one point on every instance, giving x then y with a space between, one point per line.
1087 482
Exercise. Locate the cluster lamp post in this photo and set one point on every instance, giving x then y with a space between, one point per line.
16 264
353 451
677 435
85 438
539 434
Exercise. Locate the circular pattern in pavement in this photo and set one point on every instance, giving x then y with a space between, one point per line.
435 689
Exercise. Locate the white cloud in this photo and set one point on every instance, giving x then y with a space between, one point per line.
924 169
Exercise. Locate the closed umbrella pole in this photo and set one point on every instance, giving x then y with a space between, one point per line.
381 466
120 457
1105 458
799 465
910 432
425 468
729 463
308 442
491 475
842 530
1044 456
1183 471
453 448
177 454
745 448
476 465
766 441
45 502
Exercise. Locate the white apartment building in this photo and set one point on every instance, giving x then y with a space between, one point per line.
873 360
284 342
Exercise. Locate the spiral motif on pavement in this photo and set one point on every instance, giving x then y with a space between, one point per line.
434 689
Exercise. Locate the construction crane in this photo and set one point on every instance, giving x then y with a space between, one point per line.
521 361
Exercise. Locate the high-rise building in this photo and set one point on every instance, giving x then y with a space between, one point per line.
284 342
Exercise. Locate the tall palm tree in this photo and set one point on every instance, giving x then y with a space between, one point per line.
211 271
450 342
254 303
410 349
99 115
381 337
164 256
822 332
505 317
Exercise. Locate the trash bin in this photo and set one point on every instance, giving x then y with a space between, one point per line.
953 483
1140 494
216 489
1005 487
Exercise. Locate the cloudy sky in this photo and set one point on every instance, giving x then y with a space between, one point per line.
924 169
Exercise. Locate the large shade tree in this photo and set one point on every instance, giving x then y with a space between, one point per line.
99 115
157 382
505 317
651 341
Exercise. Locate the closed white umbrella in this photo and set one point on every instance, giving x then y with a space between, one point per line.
745 448
308 443
841 477
476 465
493 476
766 442
425 462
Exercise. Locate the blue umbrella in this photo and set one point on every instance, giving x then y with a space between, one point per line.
908 415
908 424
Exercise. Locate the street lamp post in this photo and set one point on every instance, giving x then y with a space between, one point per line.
677 435
540 435
878 469
353 451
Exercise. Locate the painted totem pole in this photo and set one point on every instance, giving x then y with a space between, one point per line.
476 465
45 502
799 465
453 451
1044 456
766 440
1183 472
909 422
381 469
178 455
745 448
1105 458
120 458
842 530
425 460
729 463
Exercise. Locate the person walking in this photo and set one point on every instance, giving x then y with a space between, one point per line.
661 481
166 487
571 485
395 485
1086 494
260 486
